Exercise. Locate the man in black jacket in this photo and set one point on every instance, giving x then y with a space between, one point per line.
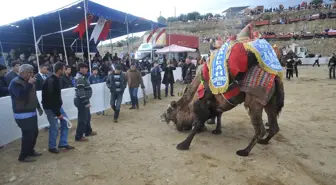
3 83
40 77
332 66
67 79
52 105
156 80
14 73
116 82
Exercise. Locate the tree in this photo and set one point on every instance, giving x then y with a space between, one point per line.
183 18
162 20
171 19
317 2
193 16
217 15
208 15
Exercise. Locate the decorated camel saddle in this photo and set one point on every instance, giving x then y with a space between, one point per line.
248 64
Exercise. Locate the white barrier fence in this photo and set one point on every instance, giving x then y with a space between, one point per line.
9 131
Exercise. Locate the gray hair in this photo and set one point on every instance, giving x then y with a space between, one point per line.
25 68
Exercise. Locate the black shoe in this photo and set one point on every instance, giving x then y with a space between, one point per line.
132 108
68 147
54 150
160 99
115 121
27 160
166 95
172 95
36 154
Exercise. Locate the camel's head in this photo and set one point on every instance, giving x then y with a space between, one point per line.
170 114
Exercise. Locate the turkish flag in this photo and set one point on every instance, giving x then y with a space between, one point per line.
104 33
81 26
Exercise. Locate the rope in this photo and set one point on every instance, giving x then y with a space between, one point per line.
69 124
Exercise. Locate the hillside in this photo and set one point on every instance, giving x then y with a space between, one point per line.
209 29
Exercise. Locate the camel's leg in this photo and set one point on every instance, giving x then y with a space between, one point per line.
255 112
270 110
184 145
218 129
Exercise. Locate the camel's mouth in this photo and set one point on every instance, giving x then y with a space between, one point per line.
164 118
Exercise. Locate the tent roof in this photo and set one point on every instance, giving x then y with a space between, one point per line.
175 49
20 33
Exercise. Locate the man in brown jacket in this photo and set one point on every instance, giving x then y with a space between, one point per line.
134 80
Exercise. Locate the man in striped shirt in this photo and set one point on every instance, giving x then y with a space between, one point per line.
82 102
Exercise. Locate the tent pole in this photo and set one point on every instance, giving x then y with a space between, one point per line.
152 51
82 47
111 43
37 57
60 22
42 44
127 34
87 34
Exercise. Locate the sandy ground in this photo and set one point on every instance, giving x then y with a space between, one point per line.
139 150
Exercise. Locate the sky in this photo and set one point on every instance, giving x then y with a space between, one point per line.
149 9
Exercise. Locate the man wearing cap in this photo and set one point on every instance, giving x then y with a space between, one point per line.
116 82
134 80
3 83
25 104
82 102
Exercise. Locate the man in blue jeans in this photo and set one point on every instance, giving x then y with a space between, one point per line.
134 80
52 105
116 82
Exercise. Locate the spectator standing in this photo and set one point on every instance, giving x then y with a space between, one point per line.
24 104
297 62
67 79
3 83
332 66
134 80
82 102
94 78
52 105
156 80
116 82
190 70
41 77
14 73
168 78
289 68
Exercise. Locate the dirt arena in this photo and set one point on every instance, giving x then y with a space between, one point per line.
139 150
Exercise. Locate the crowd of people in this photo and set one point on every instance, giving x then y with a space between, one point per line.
20 78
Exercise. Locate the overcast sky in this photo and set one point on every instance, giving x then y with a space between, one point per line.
13 10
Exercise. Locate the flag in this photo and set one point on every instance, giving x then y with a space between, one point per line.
158 36
104 33
98 29
151 34
81 26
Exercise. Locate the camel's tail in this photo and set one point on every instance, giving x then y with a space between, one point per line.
279 95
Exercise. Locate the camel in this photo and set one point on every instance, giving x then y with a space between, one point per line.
181 112
255 108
